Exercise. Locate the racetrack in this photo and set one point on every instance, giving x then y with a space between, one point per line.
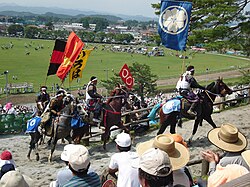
43 172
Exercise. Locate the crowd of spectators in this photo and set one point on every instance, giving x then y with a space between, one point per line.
9 108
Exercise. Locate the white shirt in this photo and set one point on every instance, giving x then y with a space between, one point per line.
127 174
183 82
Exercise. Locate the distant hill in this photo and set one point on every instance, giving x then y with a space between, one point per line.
16 10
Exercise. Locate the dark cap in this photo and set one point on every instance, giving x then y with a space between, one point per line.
190 68
93 78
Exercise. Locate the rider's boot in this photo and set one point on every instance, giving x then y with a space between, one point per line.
191 110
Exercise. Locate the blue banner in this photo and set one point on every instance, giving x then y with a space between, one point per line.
173 24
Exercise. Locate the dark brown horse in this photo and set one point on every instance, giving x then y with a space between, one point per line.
112 113
204 108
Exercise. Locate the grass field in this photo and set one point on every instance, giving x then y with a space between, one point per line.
33 68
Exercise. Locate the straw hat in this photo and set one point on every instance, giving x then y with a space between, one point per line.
246 156
178 153
227 138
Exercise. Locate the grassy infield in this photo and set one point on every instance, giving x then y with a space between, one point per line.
33 68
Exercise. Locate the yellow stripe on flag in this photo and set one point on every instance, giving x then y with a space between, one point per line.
79 65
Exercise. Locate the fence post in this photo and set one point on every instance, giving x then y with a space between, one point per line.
204 167
222 105
248 100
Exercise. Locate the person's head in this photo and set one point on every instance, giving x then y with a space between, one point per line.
67 150
79 161
178 153
155 168
15 179
60 94
225 174
43 88
191 69
228 138
93 79
123 142
179 139
6 155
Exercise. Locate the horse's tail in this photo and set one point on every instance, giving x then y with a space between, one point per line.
153 112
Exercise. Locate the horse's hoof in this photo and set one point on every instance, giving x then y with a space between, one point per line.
189 142
37 157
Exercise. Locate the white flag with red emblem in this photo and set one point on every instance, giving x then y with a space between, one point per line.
126 76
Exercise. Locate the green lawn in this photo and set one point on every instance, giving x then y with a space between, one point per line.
33 68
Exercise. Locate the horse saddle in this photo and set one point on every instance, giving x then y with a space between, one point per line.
172 105
185 105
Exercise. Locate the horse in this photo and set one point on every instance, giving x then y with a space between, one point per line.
62 125
112 113
60 129
204 108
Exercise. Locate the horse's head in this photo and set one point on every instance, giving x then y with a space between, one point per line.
68 99
219 87
80 108
222 88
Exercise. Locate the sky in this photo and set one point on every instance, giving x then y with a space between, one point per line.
126 7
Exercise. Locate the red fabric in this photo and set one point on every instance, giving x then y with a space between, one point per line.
106 113
72 50
57 57
6 155
126 76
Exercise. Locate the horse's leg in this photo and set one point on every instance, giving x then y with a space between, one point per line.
163 127
32 145
52 148
196 124
209 119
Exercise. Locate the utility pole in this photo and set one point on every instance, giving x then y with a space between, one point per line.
107 77
6 84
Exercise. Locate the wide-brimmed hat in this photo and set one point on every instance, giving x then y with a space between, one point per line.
246 156
178 153
228 138
15 179
155 162
123 139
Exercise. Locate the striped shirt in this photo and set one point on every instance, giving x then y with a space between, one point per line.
90 180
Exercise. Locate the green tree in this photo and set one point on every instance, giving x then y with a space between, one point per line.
214 20
31 31
145 81
15 29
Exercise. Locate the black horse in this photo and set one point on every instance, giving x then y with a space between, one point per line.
204 108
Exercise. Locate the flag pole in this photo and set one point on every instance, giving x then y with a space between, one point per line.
183 61
45 82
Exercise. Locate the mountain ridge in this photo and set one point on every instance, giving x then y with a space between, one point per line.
5 7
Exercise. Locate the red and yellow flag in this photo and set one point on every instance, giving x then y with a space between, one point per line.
79 65
72 50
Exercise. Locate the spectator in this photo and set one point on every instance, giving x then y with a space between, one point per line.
178 155
122 162
65 174
16 179
225 174
10 109
155 169
5 168
6 158
229 139
79 163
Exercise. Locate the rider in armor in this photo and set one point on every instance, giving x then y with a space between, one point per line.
185 85
42 99
93 98
56 103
